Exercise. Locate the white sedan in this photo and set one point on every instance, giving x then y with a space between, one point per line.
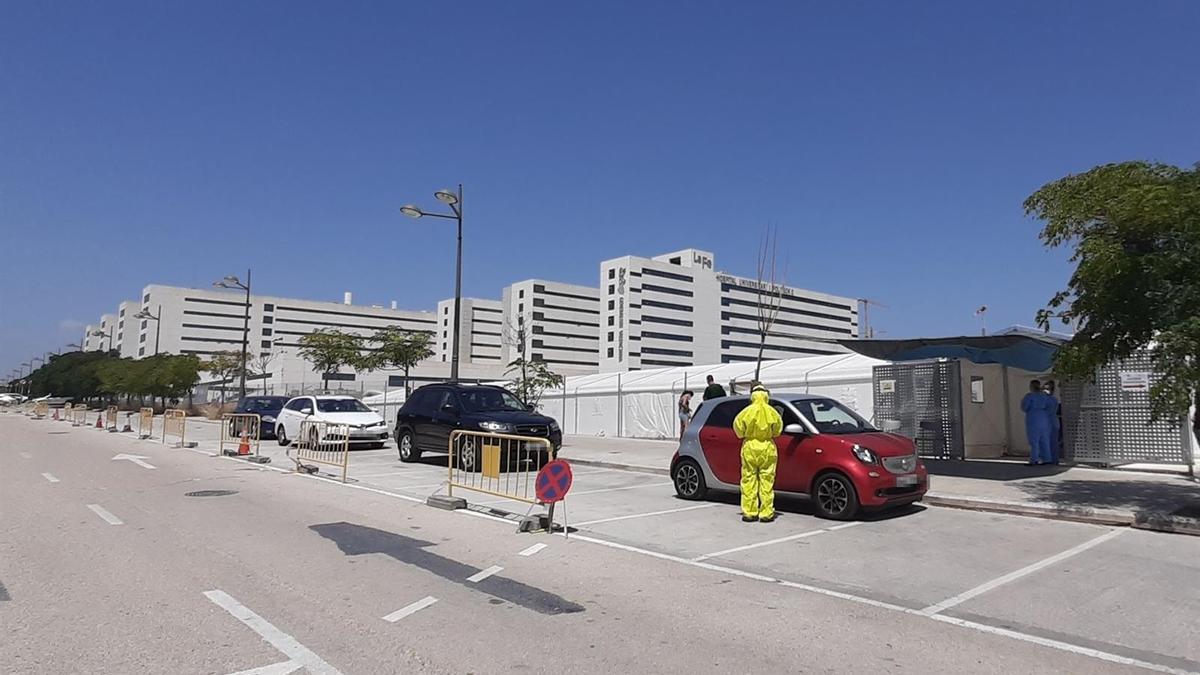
366 426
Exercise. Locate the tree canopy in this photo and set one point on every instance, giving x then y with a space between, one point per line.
83 375
1135 232
329 349
396 348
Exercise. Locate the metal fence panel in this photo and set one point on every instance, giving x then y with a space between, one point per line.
1107 420
241 429
322 443
502 465
922 400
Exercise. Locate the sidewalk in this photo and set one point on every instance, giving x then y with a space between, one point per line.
1156 501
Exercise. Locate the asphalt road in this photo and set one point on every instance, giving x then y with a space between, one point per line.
211 565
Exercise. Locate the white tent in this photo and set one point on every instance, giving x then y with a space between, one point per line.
642 403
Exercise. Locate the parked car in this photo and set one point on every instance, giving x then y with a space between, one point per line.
267 407
367 428
432 412
826 452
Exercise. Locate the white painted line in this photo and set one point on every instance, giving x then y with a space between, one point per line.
273 636
532 549
614 489
646 515
483 574
1013 576
50 477
282 668
772 542
103 513
26 455
1056 644
410 609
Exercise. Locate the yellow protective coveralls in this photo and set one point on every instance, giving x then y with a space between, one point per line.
758 425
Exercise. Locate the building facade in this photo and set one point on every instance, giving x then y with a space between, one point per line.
482 329
556 323
677 310
126 335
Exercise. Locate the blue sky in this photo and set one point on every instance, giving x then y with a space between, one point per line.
891 143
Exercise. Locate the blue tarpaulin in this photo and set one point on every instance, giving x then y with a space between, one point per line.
1026 352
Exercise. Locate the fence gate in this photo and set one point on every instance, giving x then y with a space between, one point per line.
922 400
1107 420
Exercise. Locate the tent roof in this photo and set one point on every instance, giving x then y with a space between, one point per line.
1018 350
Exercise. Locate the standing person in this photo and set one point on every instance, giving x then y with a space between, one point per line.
758 425
1055 423
713 390
1036 406
685 411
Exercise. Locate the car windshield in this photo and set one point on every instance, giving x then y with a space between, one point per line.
831 417
485 400
263 404
341 405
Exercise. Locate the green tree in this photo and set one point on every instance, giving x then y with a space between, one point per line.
396 348
1135 232
225 365
329 349
530 379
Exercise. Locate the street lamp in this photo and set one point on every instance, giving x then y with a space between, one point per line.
99 333
233 282
454 201
146 315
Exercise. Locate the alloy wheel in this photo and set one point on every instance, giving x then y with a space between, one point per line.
405 446
687 480
832 496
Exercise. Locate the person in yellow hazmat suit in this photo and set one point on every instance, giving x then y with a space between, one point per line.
758 425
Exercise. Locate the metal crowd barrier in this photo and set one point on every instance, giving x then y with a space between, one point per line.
241 429
501 465
145 422
110 418
322 443
40 410
79 415
175 424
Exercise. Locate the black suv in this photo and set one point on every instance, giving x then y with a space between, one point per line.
429 415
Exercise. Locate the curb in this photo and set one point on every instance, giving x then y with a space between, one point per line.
1078 515
1164 522
617 465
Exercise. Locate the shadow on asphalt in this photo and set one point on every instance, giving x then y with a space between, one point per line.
1001 471
1134 495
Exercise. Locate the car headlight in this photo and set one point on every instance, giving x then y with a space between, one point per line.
380 423
498 427
268 418
864 455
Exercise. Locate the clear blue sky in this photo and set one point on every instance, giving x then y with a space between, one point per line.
891 144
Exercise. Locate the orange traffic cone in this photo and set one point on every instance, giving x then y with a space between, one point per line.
244 445
100 421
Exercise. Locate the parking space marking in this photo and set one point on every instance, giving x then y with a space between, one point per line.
103 513
623 487
532 549
1013 576
483 574
646 515
26 455
281 668
410 609
772 542
278 639
50 477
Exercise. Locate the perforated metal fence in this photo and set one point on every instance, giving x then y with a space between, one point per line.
921 400
1107 420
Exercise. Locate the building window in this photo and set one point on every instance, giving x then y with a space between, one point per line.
610 320
121 325
266 331
610 352
266 344
445 310
141 351
611 289
268 307
144 324
521 293
611 304
612 274
610 336
145 298
521 308
142 338
443 335
122 312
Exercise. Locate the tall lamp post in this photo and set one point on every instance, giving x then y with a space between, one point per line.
100 334
25 380
233 282
454 201
147 316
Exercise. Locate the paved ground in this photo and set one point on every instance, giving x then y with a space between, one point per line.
110 567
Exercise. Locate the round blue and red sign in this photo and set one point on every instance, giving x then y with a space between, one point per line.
553 482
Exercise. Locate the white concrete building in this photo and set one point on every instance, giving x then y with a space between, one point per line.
108 329
560 325
126 335
90 342
481 337
677 310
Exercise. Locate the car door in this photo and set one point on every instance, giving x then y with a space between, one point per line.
447 415
424 422
408 415
793 455
722 448
809 457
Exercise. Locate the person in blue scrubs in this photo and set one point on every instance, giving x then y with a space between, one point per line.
1055 423
1038 429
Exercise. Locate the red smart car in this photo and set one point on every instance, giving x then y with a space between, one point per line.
826 452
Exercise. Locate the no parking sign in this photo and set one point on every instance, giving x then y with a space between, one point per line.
553 482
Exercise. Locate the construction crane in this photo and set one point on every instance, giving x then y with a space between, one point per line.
868 332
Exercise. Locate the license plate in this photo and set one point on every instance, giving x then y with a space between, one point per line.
907 481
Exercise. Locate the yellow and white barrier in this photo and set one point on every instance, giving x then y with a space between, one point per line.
501 465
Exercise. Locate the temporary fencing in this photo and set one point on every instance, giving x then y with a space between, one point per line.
175 424
242 432
110 418
501 465
79 415
322 443
66 414
40 410
145 422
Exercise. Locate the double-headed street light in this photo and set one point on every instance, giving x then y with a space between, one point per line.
147 316
233 282
100 334
454 201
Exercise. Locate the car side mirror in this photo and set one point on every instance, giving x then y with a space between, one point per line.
306 411
531 407
795 430
449 408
